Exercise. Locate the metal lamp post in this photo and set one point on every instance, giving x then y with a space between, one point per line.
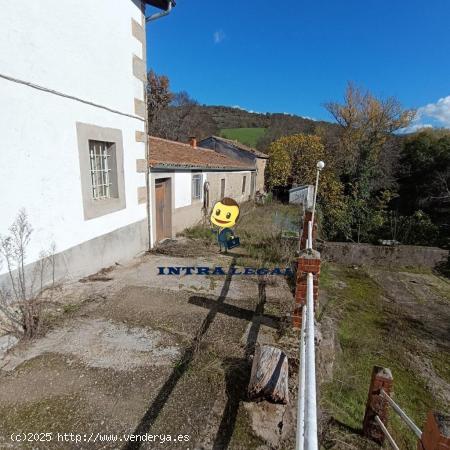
320 165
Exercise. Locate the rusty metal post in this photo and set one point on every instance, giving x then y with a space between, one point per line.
376 404
436 432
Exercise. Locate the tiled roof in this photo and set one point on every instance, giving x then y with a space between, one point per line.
165 153
243 147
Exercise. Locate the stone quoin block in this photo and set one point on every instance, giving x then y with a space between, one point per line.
142 194
141 165
140 136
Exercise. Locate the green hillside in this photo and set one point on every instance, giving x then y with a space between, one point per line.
247 136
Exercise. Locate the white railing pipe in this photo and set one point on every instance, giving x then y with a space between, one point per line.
310 243
300 436
386 433
311 441
402 414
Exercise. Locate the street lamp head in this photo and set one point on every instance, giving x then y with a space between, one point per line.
320 165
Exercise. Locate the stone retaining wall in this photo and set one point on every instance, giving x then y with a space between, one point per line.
366 254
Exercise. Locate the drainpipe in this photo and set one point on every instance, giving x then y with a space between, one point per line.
146 127
161 14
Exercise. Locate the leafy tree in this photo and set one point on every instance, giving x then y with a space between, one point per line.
367 123
182 98
158 95
424 182
293 161
425 170
175 116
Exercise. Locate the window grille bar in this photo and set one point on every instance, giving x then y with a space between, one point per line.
100 169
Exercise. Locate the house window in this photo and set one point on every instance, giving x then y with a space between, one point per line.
100 152
103 177
196 187
244 182
222 188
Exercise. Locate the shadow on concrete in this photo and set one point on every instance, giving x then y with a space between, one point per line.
237 375
237 370
164 393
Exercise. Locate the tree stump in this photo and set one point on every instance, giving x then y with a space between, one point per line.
269 376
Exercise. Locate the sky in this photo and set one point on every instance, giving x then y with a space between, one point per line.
296 55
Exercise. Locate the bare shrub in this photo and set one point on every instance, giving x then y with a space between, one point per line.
22 298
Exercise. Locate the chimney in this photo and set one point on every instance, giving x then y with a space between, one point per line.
193 141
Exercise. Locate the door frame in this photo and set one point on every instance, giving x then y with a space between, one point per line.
168 207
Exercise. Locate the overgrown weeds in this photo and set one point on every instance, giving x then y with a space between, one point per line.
268 233
22 298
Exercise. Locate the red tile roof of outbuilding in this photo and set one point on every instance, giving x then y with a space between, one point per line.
165 153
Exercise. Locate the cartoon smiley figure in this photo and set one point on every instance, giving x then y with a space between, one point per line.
224 215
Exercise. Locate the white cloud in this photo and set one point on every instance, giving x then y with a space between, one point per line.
440 111
219 36
245 109
431 115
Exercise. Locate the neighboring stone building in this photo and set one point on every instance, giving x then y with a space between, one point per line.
243 153
187 180
73 129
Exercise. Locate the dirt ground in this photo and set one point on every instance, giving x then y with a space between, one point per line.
130 351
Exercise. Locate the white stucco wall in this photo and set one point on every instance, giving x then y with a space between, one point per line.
186 212
183 189
80 47
233 185
83 48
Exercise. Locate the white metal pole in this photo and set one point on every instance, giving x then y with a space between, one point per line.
300 437
416 430
310 227
320 166
386 433
311 441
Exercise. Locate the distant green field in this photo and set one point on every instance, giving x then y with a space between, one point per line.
247 136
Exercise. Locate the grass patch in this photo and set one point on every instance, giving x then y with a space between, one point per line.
369 335
70 308
199 231
247 136
266 233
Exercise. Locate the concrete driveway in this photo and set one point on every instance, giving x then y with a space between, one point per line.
128 351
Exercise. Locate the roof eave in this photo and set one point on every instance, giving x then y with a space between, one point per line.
160 4
253 152
172 166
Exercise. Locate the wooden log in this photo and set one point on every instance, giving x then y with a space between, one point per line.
269 376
